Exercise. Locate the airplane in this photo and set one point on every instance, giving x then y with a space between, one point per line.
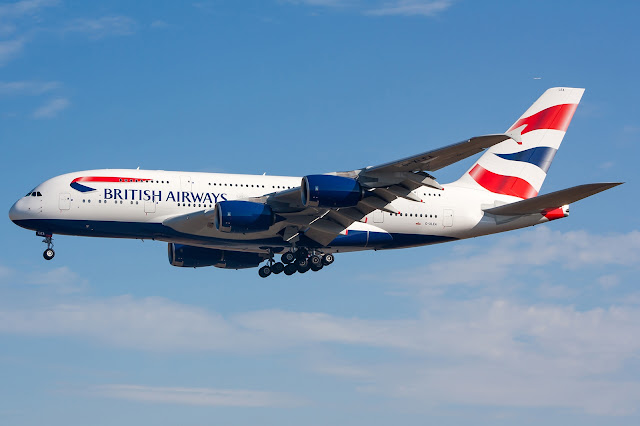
237 221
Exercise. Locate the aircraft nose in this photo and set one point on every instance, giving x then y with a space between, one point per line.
17 211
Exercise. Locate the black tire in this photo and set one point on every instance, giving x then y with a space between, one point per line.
302 253
48 254
264 271
290 269
303 266
327 259
316 268
315 260
288 258
277 267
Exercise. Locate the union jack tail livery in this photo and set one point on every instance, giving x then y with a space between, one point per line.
517 167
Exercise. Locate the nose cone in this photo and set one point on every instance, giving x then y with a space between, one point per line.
18 211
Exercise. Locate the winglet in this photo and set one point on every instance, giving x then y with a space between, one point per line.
516 134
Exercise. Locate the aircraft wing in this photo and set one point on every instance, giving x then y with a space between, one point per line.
381 185
438 158
396 178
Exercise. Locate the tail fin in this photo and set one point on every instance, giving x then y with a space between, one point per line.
518 166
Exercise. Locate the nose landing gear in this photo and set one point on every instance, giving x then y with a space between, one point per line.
48 253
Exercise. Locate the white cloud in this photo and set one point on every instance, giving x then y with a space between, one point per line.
411 8
195 396
28 87
322 3
488 351
9 49
102 27
148 324
609 280
11 17
159 24
24 7
630 129
383 8
482 351
51 108
6 29
515 255
63 279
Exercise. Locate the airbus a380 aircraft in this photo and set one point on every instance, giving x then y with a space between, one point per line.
239 221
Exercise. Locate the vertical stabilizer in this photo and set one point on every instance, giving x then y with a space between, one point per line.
517 167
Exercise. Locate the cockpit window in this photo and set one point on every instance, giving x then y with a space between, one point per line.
33 193
39 194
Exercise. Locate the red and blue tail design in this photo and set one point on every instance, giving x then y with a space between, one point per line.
517 167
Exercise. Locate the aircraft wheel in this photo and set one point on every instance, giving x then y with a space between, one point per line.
288 258
315 260
290 269
48 254
327 259
302 253
316 268
264 271
303 265
277 267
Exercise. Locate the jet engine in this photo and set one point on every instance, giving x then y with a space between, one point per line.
330 191
196 257
242 216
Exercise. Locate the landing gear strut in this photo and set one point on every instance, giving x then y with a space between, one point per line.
48 253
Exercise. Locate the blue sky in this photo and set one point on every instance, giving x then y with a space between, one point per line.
534 326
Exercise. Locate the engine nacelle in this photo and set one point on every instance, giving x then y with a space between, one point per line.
197 257
242 217
330 191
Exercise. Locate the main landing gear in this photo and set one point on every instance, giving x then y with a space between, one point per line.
299 261
48 253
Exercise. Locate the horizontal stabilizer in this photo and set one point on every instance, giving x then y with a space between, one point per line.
553 200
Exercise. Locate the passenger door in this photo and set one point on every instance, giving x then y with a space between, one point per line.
448 218
64 202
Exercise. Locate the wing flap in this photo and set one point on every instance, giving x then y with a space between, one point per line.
552 200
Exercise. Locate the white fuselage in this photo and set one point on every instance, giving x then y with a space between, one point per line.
138 204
